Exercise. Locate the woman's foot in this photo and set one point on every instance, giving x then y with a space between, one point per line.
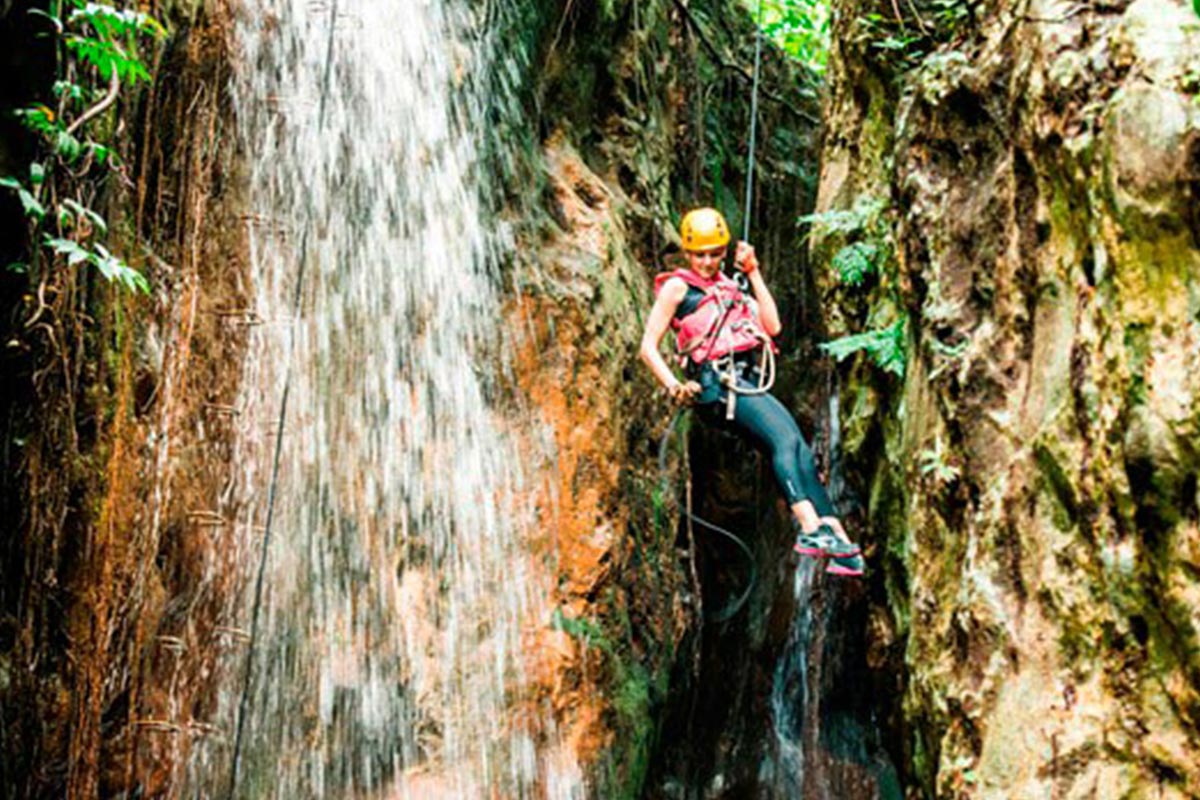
850 566
824 543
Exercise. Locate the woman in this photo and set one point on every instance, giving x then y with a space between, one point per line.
721 336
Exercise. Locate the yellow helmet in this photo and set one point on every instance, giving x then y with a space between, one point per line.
703 229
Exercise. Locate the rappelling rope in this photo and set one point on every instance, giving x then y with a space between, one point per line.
758 37
726 370
725 367
255 614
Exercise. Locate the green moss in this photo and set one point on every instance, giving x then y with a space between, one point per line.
1079 636
631 702
1171 642
861 419
924 762
887 507
587 631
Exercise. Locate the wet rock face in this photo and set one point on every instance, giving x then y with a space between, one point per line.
643 699
1034 500
596 531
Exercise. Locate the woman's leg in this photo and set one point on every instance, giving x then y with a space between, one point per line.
769 424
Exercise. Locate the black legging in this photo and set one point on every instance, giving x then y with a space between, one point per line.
767 422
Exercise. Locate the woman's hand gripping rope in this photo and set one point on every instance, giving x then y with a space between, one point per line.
745 259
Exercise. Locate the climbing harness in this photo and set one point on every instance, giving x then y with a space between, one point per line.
729 369
723 321
734 606
727 334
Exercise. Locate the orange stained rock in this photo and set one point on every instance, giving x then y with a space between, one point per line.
580 522
563 375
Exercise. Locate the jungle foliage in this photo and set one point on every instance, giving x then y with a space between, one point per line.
799 27
99 50
861 264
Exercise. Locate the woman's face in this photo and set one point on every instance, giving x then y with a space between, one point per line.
706 262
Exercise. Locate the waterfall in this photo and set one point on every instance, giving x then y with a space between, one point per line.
386 658
795 713
790 700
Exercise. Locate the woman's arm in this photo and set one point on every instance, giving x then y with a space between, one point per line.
665 304
745 260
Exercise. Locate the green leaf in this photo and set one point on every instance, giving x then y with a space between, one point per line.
81 211
31 205
37 174
68 89
17 267
39 119
108 265
103 154
135 281
110 27
862 215
885 346
118 271
67 146
70 248
855 261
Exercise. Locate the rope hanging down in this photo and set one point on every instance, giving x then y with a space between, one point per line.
767 368
736 604
248 673
758 37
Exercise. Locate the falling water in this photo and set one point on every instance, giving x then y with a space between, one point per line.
794 717
386 655
790 691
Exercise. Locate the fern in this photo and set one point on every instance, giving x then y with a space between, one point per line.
885 346
854 262
863 216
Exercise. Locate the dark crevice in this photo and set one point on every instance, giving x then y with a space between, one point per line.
1029 239
1089 263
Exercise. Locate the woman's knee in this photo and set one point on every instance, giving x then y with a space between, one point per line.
788 471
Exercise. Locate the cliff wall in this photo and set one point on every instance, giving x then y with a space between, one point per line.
1028 172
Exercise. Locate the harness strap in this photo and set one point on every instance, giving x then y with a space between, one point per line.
727 374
